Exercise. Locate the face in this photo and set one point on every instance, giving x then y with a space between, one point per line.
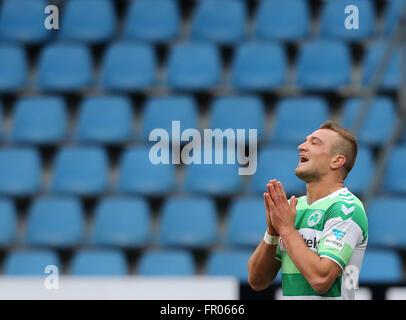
315 157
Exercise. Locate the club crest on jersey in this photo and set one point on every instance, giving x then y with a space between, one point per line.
314 218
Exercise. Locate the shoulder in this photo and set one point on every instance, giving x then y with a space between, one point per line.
347 207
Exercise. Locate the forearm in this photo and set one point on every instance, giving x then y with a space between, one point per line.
313 268
263 266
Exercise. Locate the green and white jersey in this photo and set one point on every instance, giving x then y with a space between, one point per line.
335 227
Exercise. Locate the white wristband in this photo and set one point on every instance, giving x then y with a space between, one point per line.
271 240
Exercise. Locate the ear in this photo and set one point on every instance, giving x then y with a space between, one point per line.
338 161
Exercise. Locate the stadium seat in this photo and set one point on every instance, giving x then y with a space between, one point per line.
323 65
188 222
258 66
80 170
64 67
193 66
168 262
372 58
395 176
380 266
284 20
13 68
238 112
152 20
30 262
121 222
92 262
55 222
1 121
297 117
333 17
391 16
246 223
207 177
78 24
40 120
8 222
229 263
360 177
211 23
139 175
23 21
278 162
20 171
386 218
128 67
105 119
379 122
159 112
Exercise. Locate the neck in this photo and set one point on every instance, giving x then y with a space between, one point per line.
319 189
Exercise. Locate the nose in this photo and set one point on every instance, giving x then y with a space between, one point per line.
302 146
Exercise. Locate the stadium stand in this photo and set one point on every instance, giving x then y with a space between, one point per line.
77 105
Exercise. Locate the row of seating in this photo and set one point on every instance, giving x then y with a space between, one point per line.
191 222
195 66
84 171
110 119
160 20
378 266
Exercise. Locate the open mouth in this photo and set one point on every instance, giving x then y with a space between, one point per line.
303 158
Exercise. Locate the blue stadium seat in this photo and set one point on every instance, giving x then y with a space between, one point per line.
92 21
55 222
323 65
246 223
211 23
23 21
152 20
193 66
8 222
380 266
92 262
229 263
139 175
159 112
80 170
40 120
378 123
386 218
284 20
333 16
238 112
392 14
297 117
221 179
395 176
278 162
64 67
30 262
188 222
1 121
168 262
128 66
122 222
258 66
372 57
20 171
105 119
360 177
13 67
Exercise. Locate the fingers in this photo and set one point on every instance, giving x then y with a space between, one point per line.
293 201
280 191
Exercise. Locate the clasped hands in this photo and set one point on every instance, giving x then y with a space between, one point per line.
280 214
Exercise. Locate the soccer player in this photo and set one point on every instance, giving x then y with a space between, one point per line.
319 239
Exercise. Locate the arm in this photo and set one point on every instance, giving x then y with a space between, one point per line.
262 265
319 272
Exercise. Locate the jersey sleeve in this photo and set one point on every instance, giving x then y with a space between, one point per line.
343 230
